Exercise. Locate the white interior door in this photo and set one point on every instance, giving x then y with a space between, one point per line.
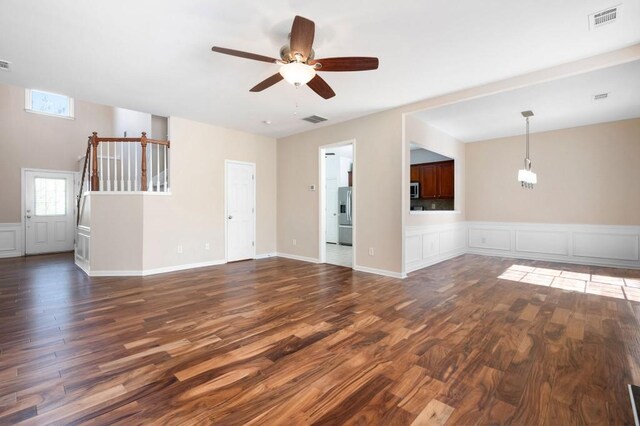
49 212
240 217
332 210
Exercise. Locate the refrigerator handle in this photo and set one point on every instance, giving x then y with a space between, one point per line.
349 206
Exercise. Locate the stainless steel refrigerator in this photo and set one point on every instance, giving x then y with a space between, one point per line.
345 215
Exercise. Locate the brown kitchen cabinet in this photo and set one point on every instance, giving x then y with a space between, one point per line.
415 173
350 177
436 179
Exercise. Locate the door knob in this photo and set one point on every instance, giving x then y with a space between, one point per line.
28 217
230 217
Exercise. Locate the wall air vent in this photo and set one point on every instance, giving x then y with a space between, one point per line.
603 17
5 65
600 96
315 119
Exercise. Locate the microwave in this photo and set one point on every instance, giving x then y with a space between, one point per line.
414 190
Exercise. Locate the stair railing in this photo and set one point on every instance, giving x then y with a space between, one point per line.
112 164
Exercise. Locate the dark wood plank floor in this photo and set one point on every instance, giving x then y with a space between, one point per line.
278 341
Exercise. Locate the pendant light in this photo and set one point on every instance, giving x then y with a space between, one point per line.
526 177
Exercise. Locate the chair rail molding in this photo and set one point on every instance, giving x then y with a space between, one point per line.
11 240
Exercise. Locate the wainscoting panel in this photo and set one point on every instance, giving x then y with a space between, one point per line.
605 245
490 238
83 248
428 245
601 245
11 239
540 241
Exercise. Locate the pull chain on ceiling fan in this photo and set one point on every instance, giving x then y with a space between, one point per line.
298 65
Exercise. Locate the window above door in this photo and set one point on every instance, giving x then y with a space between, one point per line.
47 103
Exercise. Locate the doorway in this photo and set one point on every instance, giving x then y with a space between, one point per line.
337 204
48 211
240 212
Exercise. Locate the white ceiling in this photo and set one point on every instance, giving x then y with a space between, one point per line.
154 55
558 104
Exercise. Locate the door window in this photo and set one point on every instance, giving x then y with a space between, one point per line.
50 197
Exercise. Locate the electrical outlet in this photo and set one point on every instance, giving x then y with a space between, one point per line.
484 240
294 242
370 251
180 249
207 246
433 206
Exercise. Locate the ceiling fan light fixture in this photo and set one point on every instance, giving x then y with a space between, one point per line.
297 73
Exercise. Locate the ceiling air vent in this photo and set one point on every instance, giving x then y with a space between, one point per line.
600 96
5 65
315 119
606 16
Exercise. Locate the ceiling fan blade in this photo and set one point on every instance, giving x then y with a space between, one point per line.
267 83
353 63
302 33
318 85
242 54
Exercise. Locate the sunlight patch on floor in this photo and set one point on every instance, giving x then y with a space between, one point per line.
601 285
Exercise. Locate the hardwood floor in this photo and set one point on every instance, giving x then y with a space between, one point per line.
279 341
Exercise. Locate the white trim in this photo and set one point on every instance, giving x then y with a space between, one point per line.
322 223
146 272
264 255
255 206
14 237
382 272
296 257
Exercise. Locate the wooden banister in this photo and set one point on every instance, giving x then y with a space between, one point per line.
84 174
143 168
95 180
93 162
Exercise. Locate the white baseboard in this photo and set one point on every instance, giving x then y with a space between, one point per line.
11 244
264 255
382 272
154 271
296 257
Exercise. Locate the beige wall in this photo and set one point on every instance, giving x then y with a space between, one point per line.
377 184
116 232
194 214
586 175
382 156
435 140
154 225
29 140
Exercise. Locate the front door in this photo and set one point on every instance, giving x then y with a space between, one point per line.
49 212
240 214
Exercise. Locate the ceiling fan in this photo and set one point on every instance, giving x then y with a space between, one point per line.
298 65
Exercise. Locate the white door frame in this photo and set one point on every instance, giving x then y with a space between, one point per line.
23 186
226 215
322 247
